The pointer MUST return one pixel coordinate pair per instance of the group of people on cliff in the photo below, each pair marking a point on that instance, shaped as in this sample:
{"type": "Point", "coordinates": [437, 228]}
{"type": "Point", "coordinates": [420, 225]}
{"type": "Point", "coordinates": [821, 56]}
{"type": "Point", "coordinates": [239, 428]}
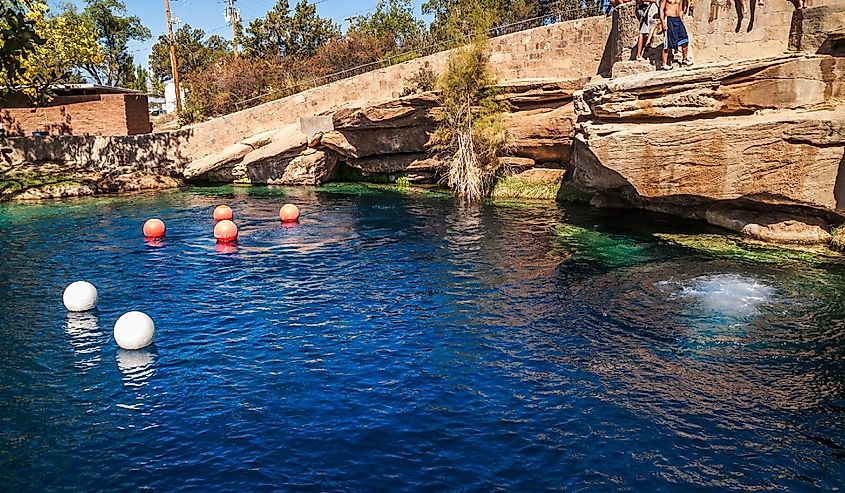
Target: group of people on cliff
{"type": "Point", "coordinates": [662, 17]}
{"type": "Point", "coordinates": [669, 18]}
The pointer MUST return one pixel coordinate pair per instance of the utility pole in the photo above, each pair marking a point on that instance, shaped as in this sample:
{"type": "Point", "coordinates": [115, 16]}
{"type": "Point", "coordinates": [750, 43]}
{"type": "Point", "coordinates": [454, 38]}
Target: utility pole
{"type": "Point", "coordinates": [234, 19]}
{"type": "Point", "coordinates": [173, 64]}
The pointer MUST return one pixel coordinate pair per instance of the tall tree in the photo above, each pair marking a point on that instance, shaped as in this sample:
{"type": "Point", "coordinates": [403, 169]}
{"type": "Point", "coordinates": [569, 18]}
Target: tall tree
{"type": "Point", "coordinates": [142, 76]}
{"type": "Point", "coordinates": [393, 20]}
{"type": "Point", "coordinates": [193, 53]}
{"type": "Point", "coordinates": [114, 31]}
{"type": "Point", "coordinates": [68, 42]}
{"type": "Point", "coordinates": [282, 33]}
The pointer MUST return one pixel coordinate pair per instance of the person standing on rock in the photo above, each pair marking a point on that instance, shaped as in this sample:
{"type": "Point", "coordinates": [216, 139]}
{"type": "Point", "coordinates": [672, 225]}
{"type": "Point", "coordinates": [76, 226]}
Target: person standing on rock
{"type": "Point", "coordinates": [671, 18]}
{"type": "Point", "coordinates": [648, 17]}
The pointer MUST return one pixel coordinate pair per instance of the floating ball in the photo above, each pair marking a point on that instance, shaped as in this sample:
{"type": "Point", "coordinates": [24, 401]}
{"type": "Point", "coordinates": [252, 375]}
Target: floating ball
{"type": "Point", "coordinates": [80, 296]}
{"type": "Point", "coordinates": [289, 213]}
{"type": "Point", "coordinates": [154, 228]}
{"type": "Point", "coordinates": [223, 213]}
{"type": "Point", "coordinates": [226, 231]}
{"type": "Point", "coordinates": [134, 330]}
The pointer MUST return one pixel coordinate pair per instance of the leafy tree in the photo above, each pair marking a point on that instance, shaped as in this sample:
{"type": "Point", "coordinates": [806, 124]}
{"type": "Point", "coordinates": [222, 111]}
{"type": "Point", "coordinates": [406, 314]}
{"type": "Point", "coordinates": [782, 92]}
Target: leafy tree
{"type": "Point", "coordinates": [18, 39]}
{"type": "Point", "coordinates": [68, 42]}
{"type": "Point", "coordinates": [392, 19]}
{"type": "Point", "coordinates": [192, 53]}
{"type": "Point", "coordinates": [114, 31]}
{"type": "Point", "coordinates": [298, 34]}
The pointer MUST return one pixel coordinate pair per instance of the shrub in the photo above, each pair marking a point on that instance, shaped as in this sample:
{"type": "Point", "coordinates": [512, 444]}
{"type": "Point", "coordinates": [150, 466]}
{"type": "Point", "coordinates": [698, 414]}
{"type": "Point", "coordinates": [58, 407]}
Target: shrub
{"type": "Point", "coordinates": [423, 80]}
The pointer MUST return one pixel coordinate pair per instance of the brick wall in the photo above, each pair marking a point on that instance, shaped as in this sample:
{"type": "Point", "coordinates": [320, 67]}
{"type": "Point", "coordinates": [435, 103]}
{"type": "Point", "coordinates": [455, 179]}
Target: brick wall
{"type": "Point", "coordinates": [100, 114]}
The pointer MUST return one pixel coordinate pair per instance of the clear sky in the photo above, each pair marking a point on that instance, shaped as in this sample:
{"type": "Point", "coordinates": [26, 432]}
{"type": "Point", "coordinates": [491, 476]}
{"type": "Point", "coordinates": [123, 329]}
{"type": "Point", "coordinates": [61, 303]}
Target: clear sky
{"type": "Point", "coordinates": [208, 15]}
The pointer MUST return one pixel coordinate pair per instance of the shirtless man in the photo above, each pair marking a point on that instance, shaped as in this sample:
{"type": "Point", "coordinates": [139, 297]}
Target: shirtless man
{"type": "Point", "coordinates": [671, 14]}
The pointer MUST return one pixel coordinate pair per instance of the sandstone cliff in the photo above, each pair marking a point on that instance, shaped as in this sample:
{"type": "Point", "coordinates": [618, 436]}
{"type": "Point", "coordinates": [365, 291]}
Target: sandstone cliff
{"type": "Point", "coordinates": [756, 145]}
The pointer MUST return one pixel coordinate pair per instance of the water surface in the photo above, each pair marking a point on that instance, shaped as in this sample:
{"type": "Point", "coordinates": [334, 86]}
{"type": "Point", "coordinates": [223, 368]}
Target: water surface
{"type": "Point", "coordinates": [400, 342]}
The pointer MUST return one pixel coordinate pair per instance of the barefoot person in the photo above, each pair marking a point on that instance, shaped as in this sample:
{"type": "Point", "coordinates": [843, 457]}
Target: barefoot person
{"type": "Point", "coordinates": [648, 17]}
{"type": "Point", "coordinates": [671, 15]}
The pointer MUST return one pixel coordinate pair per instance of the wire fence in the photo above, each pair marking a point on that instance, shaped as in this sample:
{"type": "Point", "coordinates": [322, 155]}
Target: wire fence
{"type": "Point", "coordinates": [424, 49]}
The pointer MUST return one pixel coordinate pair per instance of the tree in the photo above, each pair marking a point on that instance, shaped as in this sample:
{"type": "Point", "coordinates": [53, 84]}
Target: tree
{"type": "Point", "coordinates": [281, 34]}
{"type": "Point", "coordinates": [392, 19]}
{"type": "Point", "coordinates": [68, 42]}
{"type": "Point", "coordinates": [192, 52]}
{"type": "Point", "coordinates": [18, 40]}
{"type": "Point", "coordinates": [141, 78]}
{"type": "Point", "coordinates": [452, 17]}
{"type": "Point", "coordinates": [471, 134]}
{"type": "Point", "coordinates": [114, 31]}
{"type": "Point", "coordinates": [351, 51]}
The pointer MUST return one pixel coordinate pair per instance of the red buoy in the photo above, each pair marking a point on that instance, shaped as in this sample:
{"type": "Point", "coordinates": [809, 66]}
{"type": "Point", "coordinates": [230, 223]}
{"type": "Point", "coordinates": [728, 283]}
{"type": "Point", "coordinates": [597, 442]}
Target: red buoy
{"type": "Point", "coordinates": [226, 231]}
{"type": "Point", "coordinates": [154, 228]}
{"type": "Point", "coordinates": [289, 213]}
{"type": "Point", "coordinates": [223, 213]}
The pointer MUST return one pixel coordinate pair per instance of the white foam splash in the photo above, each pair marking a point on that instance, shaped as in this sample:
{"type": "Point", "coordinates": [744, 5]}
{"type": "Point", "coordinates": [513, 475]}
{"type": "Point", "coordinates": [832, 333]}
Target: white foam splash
{"type": "Point", "coordinates": [728, 294]}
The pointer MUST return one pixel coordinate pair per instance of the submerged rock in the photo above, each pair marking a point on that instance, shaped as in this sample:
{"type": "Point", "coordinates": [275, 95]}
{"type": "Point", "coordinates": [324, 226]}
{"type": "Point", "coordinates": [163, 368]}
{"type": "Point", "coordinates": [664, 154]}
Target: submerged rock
{"type": "Point", "coordinates": [772, 226]}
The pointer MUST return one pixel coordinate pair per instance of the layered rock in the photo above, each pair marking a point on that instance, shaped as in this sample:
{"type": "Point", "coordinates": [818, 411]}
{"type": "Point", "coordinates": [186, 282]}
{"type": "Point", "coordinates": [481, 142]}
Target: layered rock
{"type": "Point", "coordinates": [392, 138]}
{"type": "Point", "coordinates": [765, 131]}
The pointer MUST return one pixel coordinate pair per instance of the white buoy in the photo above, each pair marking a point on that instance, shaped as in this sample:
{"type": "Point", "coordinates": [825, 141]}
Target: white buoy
{"type": "Point", "coordinates": [134, 330]}
{"type": "Point", "coordinates": [80, 296]}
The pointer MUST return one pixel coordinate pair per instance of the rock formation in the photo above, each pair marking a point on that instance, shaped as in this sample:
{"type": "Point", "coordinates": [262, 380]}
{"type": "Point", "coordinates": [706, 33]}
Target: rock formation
{"type": "Point", "coordinates": [756, 146]}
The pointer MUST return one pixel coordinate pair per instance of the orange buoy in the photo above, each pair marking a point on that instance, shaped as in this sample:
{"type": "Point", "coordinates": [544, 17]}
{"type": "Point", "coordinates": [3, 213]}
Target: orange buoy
{"type": "Point", "coordinates": [223, 213]}
{"type": "Point", "coordinates": [226, 231]}
{"type": "Point", "coordinates": [289, 213]}
{"type": "Point", "coordinates": [154, 228]}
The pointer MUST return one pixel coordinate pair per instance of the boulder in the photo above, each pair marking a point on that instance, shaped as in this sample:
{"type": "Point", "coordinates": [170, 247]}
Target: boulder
{"type": "Point", "coordinates": [285, 142]}
{"type": "Point", "coordinates": [771, 226]}
{"type": "Point", "coordinates": [396, 163]}
{"type": "Point", "coordinates": [312, 167]}
{"type": "Point", "coordinates": [410, 111]}
{"type": "Point", "coordinates": [544, 134]}
{"type": "Point", "coordinates": [85, 184]}
{"type": "Point", "coordinates": [365, 142]}
{"type": "Point", "coordinates": [819, 29]}
{"type": "Point", "coordinates": [788, 157]}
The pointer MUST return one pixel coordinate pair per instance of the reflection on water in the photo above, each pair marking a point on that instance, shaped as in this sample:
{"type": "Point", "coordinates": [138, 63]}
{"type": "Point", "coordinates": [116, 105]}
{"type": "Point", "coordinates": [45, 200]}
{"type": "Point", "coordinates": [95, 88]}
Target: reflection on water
{"type": "Point", "coordinates": [226, 248]}
{"type": "Point", "coordinates": [85, 338]}
{"type": "Point", "coordinates": [137, 366]}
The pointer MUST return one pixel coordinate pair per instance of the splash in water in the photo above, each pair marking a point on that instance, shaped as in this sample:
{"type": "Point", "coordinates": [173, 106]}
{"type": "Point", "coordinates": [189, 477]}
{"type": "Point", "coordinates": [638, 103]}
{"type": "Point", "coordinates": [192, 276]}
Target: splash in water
{"type": "Point", "coordinates": [728, 294]}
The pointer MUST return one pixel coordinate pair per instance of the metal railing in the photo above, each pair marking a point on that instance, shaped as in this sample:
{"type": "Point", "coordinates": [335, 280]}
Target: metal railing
{"type": "Point", "coordinates": [425, 49]}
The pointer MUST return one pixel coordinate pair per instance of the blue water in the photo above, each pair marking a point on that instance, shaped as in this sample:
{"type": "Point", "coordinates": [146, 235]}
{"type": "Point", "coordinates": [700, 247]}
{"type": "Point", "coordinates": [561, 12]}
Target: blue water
{"type": "Point", "coordinates": [394, 342]}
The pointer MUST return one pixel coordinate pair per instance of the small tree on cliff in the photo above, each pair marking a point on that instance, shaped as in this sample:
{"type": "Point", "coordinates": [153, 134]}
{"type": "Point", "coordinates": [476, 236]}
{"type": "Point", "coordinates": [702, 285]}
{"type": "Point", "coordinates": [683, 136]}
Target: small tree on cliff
{"type": "Point", "coordinates": [471, 134]}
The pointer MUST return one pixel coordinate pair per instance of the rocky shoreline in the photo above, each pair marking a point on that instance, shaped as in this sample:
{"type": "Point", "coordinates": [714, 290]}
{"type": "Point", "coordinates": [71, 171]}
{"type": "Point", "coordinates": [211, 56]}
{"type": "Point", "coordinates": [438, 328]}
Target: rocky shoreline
{"type": "Point", "coordinates": [753, 145]}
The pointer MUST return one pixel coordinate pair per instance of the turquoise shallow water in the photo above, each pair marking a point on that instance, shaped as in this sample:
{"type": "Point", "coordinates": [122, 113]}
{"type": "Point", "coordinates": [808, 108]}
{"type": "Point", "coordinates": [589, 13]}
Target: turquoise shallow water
{"type": "Point", "coordinates": [396, 342]}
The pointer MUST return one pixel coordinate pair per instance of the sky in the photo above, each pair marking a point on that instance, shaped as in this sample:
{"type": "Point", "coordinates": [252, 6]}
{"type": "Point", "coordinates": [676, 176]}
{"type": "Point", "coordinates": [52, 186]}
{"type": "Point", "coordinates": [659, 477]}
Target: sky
{"type": "Point", "coordinates": [208, 15]}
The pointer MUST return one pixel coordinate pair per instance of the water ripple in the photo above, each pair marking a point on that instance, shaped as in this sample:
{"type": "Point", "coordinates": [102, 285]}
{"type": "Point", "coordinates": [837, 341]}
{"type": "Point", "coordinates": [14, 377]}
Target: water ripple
{"type": "Point", "coordinates": [392, 342]}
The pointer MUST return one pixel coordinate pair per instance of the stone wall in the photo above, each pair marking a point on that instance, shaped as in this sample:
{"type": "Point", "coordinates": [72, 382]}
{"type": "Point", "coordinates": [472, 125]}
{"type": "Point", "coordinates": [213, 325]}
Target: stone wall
{"type": "Point", "coordinates": [719, 31]}
{"type": "Point", "coordinates": [98, 114]}
{"type": "Point", "coordinates": [567, 50]}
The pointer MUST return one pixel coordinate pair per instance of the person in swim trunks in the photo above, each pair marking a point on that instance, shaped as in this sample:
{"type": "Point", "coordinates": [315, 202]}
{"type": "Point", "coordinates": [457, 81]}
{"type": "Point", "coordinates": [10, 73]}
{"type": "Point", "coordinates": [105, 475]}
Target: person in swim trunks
{"type": "Point", "coordinates": [671, 18]}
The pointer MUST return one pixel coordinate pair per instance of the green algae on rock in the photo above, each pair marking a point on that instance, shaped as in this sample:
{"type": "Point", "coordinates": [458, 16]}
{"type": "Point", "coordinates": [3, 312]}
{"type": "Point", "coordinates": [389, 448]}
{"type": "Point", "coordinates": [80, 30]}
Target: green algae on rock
{"type": "Point", "coordinates": [737, 248]}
